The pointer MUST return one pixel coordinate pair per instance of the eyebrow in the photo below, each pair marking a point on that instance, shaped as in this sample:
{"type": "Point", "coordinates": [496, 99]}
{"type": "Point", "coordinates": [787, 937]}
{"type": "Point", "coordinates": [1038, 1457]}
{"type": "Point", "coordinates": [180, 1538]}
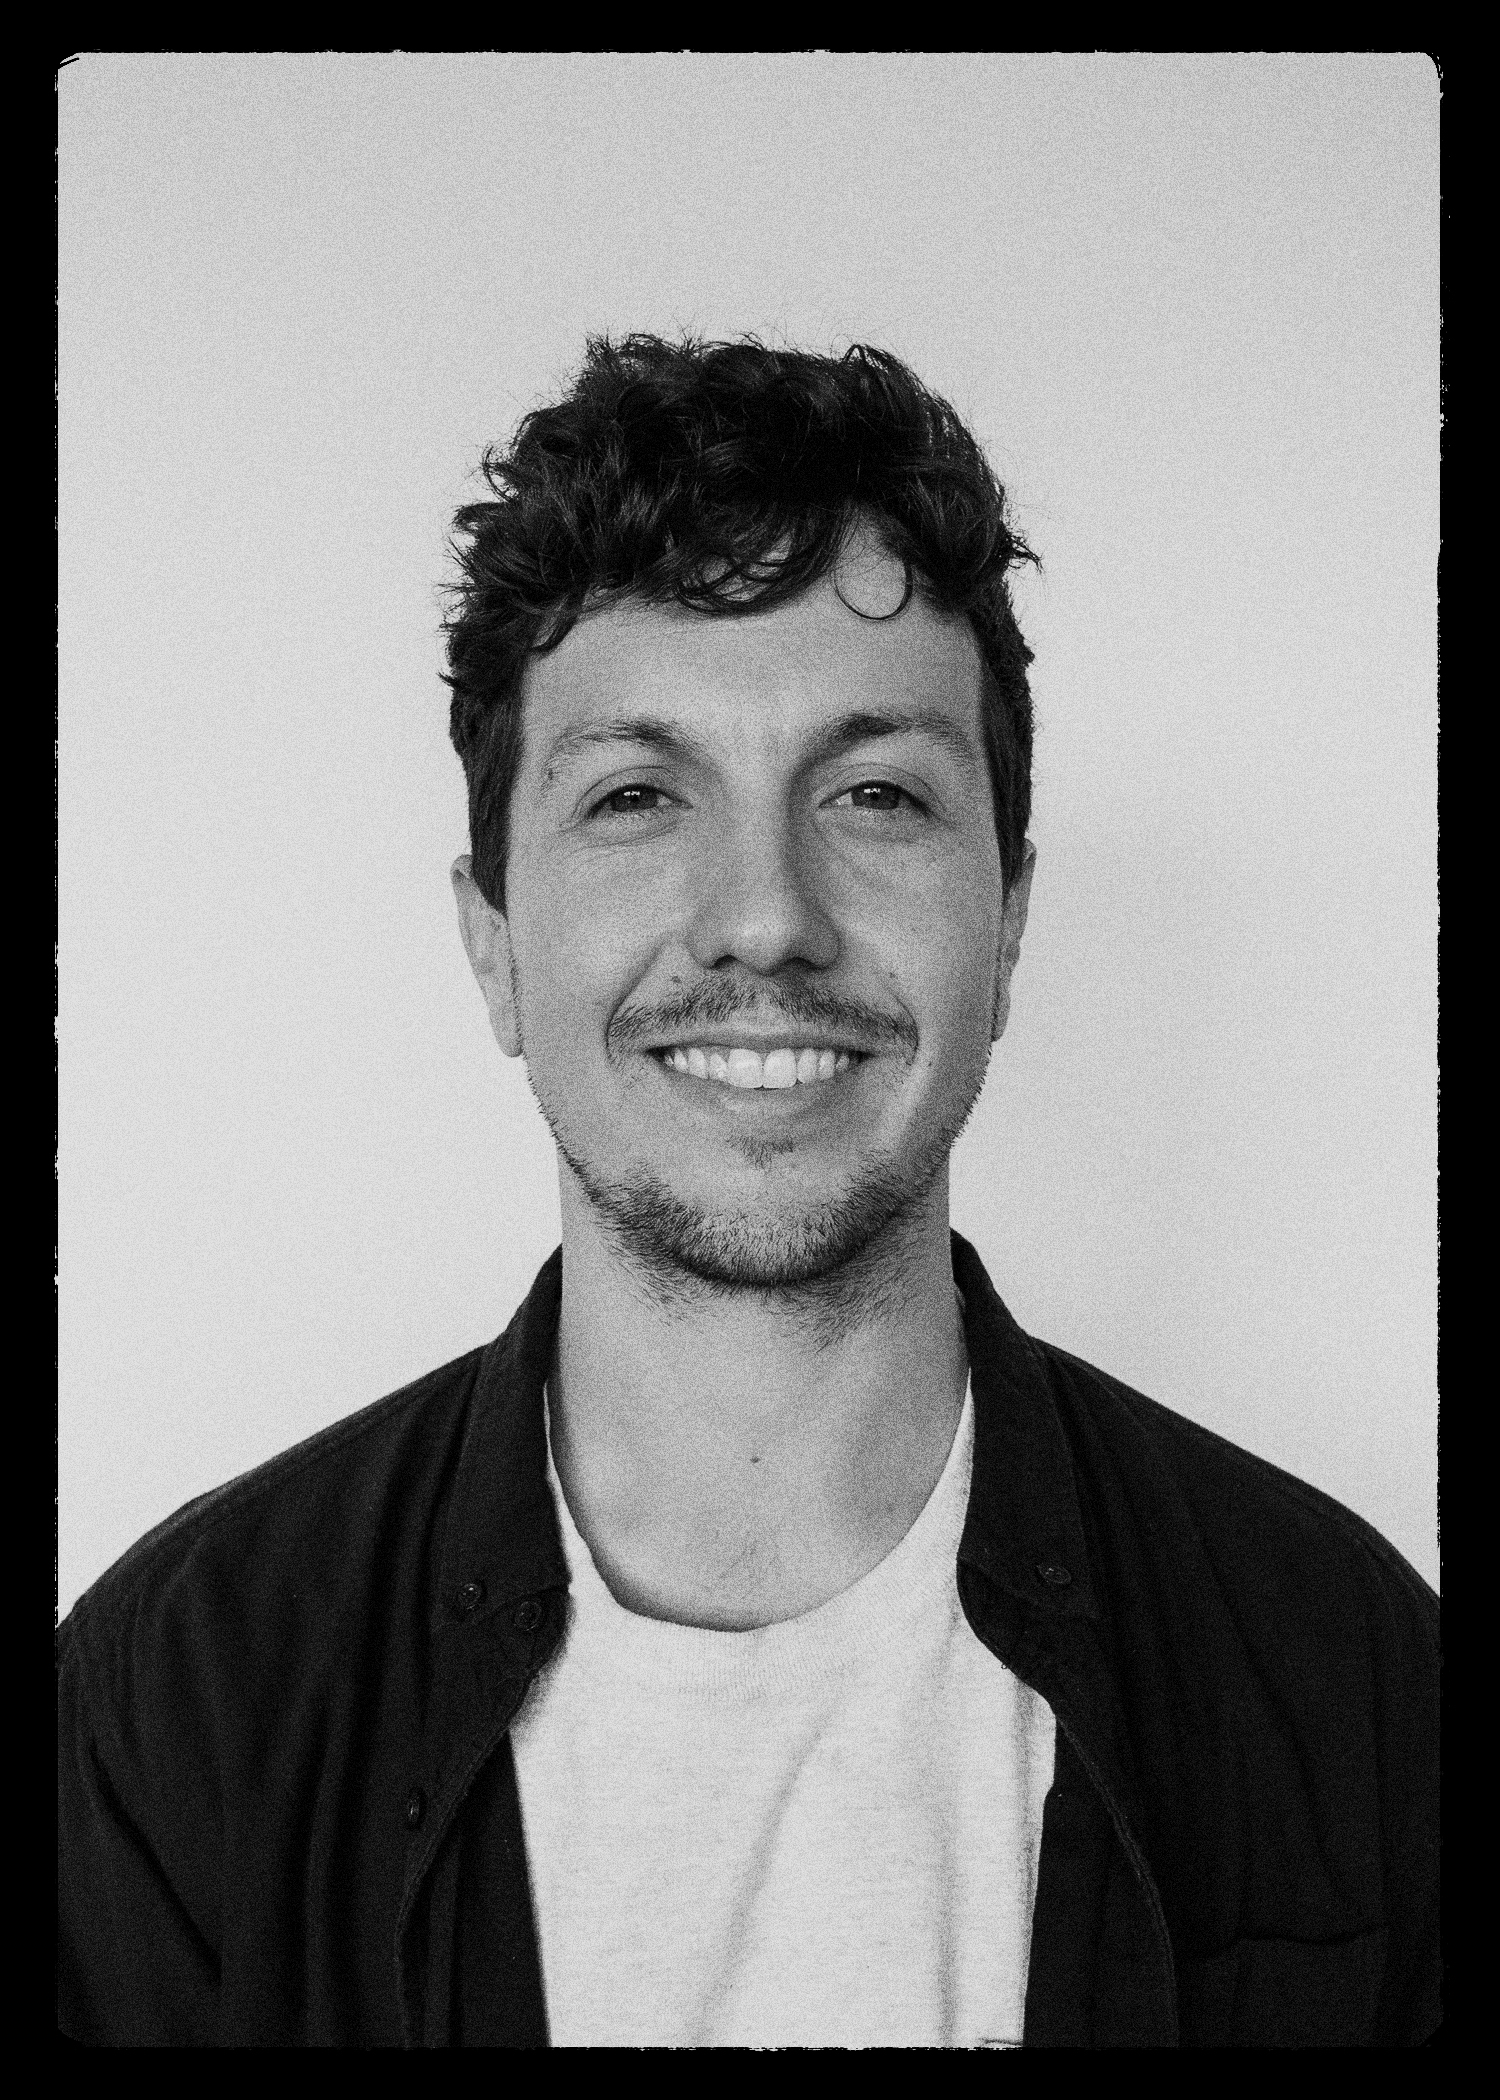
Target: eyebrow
{"type": "Point", "coordinates": [868, 726]}
{"type": "Point", "coordinates": [657, 735]}
{"type": "Point", "coordinates": [844, 733]}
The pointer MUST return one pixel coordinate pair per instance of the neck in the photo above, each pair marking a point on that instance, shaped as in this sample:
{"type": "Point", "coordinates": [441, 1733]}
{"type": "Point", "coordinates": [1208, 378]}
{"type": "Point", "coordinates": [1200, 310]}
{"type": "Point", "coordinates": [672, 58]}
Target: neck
{"type": "Point", "coordinates": [733, 1459]}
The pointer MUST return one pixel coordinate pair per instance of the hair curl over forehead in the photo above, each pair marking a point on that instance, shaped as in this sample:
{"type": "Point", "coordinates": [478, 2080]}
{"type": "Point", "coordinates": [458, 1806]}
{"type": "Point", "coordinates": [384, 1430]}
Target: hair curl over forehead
{"type": "Point", "coordinates": [723, 478]}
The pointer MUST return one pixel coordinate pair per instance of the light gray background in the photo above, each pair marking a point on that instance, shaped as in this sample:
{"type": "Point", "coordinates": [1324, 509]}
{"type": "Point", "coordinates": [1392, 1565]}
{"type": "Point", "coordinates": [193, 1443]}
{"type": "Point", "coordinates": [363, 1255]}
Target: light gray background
{"type": "Point", "coordinates": [1189, 305]}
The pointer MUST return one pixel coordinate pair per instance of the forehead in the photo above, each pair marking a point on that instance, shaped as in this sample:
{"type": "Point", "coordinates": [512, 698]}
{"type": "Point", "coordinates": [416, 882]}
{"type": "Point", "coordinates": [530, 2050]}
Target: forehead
{"type": "Point", "coordinates": [781, 672]}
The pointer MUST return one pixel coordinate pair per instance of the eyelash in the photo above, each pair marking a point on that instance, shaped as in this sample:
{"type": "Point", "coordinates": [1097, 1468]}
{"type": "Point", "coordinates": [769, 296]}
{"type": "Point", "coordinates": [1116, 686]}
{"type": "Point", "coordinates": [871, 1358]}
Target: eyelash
{"type": "Point", "coordinates": [883, 787]}
{"type": "Point", "coordinates": [601, 808]}
{"type": "Point", "coordinates": [632, 787]}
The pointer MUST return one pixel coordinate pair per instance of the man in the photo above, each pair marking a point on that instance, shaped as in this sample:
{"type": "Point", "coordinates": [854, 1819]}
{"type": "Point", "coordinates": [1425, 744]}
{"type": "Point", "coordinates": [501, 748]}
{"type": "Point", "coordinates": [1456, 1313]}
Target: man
{"type": "Point", "coordinates": [763, 1642]}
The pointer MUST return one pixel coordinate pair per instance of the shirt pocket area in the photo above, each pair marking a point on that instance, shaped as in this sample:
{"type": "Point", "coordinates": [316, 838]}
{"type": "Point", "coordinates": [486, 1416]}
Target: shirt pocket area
{"type": "Point", "coordinates": [1283, 1994]}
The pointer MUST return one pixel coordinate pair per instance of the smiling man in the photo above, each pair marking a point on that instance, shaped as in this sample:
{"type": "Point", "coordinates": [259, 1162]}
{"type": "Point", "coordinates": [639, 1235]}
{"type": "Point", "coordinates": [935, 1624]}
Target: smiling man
{"type": "Point", "coordinates": [763, 1642]}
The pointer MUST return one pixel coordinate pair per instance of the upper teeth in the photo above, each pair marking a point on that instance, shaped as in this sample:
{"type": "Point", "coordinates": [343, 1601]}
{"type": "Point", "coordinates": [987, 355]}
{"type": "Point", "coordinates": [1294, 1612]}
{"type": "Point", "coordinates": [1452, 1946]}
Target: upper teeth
{"type": "Point", "coordinates": [747, 1068]}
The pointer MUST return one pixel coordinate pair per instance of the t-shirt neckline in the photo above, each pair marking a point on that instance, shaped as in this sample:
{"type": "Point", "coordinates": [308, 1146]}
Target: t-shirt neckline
{"type": "Point", "coordinates": [916, 1577]}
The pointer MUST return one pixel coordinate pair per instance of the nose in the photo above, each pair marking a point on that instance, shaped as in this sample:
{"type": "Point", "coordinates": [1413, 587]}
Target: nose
{"type": "Point", "coordinates": [758, 904]}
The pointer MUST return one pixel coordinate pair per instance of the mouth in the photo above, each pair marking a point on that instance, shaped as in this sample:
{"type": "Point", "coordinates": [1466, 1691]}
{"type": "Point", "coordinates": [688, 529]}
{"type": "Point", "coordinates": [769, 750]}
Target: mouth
{"type": "Point", "coordinates": [776, 1068]}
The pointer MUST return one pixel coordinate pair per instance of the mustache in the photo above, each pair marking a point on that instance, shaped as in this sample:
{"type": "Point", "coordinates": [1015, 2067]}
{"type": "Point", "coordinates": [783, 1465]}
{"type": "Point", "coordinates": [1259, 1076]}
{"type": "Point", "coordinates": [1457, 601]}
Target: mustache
{"type": "Point", "coordinates": [806, 1006]}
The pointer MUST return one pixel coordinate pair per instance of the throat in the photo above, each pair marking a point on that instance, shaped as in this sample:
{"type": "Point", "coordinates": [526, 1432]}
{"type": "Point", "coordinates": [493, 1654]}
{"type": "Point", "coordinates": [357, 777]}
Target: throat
{"type": "Point", "coordinates": [731, 1507]}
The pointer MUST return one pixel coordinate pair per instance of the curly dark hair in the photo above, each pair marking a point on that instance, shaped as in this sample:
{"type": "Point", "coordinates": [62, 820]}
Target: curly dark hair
{"type": "Point", "coordinates": [723, 477]}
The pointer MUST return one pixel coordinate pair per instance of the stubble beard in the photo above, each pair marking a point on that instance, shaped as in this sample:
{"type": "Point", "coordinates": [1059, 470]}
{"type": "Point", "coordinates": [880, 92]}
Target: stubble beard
{"type": "Point", "coordinates": [832, 1262]}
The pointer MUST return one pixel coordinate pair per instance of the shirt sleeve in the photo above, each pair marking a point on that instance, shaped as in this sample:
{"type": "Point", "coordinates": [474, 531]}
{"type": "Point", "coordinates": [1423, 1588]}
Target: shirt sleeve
{"type": "Point", "coordinates": [134, 1969]}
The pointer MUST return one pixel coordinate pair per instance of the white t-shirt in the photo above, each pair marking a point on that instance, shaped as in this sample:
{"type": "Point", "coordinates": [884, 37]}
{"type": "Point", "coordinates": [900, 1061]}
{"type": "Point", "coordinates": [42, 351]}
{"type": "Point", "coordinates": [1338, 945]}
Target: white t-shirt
{"type": "Point", "coordinates": [823, 1833]}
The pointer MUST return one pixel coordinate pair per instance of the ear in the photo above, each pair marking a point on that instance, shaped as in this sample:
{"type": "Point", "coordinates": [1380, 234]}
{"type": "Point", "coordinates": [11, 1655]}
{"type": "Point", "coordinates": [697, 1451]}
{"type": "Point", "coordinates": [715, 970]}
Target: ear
{"type": "Point", "coordinates": [1012, 926]}
{"type": "Point", "coordinates": [486, 937]}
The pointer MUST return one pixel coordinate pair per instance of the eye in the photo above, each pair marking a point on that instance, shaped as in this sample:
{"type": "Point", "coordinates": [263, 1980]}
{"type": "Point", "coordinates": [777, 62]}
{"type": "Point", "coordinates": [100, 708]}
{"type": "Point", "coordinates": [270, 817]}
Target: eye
{"type": "Point", "coordinates": [881, 796]}
{"type": "Point", "coordinates": [636, 799]}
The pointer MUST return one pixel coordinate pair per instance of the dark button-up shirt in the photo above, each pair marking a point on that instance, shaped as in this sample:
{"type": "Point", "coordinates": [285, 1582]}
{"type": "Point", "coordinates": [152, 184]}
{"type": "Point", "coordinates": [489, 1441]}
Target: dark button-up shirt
{"type": "Point", "coordinates": [288, 1807]}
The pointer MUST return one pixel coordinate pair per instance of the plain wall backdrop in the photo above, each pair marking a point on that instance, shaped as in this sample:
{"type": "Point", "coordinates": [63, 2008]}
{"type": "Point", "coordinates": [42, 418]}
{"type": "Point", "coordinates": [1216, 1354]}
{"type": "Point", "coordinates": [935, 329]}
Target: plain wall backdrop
{"type": "Point", "coordinates": [1189, 305]}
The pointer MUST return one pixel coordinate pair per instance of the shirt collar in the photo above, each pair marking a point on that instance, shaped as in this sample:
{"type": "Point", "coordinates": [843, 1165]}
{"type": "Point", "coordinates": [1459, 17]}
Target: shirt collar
{"type": "Point", "coordinates": [502, 1542]}
{"type": "Point", "coordinates": [1023, 1529]}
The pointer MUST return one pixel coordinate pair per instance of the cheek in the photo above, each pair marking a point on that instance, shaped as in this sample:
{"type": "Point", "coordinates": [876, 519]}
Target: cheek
{"type": "Point", "coordinates": [579, 952]}
{"type": "Point", "coordinates": [939, 963]}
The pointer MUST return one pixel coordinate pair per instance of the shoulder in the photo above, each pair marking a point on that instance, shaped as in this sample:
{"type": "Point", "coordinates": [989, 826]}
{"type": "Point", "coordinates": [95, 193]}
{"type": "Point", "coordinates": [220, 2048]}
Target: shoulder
{"type": "Point", "coordinates": [221, 1688]}
{"type": "Point", "coordinates": [1287, 1613]}
{"type": "Point", "coordinates": [1279, 1666]}
{"type": "Point", "coordinates": [1174, 1459]}
{"type": "Point", "coordinates": [293, 1538]}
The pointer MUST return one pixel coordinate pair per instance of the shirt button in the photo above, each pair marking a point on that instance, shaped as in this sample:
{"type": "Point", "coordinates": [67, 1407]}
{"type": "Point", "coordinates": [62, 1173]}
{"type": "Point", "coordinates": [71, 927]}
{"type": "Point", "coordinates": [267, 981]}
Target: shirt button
{"type": "Point", "coordinates": [1054, 1572]}
{"type": "Point", "coordinates": [469, 1599]}
{"type": "Point", "coordinates": [416, 1808]}
{"type": "Point", "coordinates": [528, 1616]}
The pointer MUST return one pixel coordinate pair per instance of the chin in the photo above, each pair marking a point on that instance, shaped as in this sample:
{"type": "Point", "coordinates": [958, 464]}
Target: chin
{"type": "Point", "coordinates": [804, 1244]}
{"type": "Point", "coordinates": [786, 1249]}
